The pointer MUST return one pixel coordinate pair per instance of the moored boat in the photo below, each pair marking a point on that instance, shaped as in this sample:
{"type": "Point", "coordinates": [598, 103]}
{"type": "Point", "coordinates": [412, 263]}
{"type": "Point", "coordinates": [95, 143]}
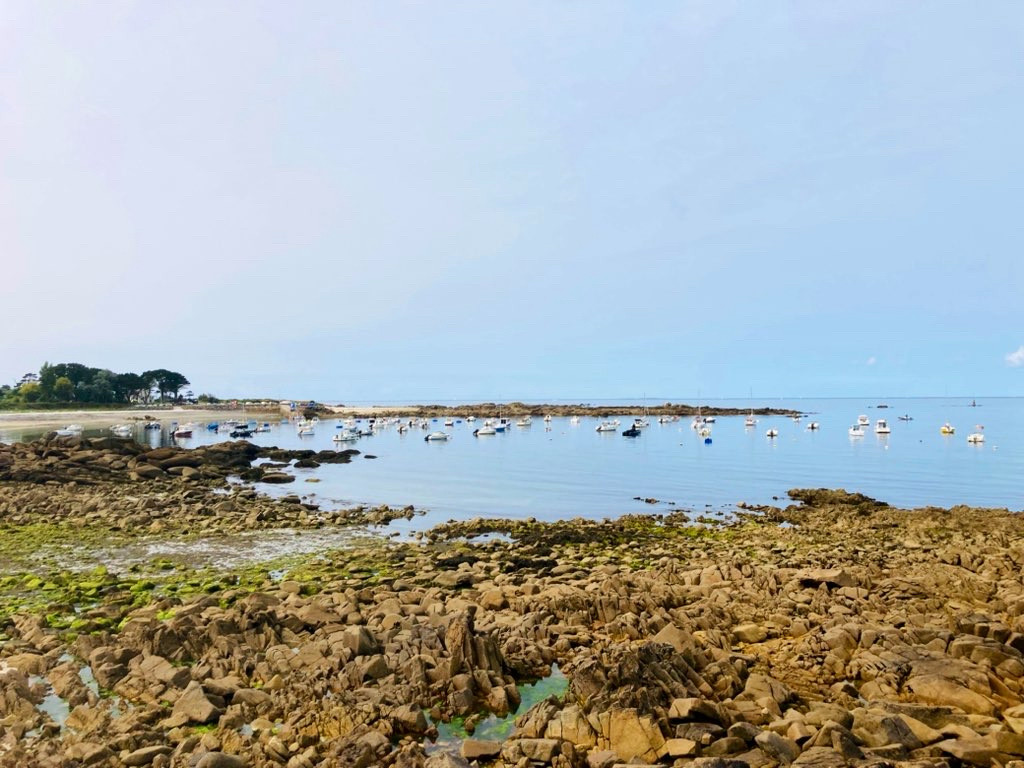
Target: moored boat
{"type": "Point", "coordinates": [606, 426]}
{"type": "Point", "coordinates": [882, 427]}
{"type": "Point", "coordinates": [772, 433]}
{"type": "Point", "coordinates": [947, 429]}
{"type": "Point", "coordinates": [856, 431]}
{"type": "Point", "coordinates": [437, 436]}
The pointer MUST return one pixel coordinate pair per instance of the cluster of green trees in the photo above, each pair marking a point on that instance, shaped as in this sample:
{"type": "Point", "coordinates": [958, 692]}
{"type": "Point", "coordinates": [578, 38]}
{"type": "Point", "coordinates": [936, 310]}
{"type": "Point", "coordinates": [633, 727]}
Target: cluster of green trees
{"type": "Point", "coordinates": [77, 383]}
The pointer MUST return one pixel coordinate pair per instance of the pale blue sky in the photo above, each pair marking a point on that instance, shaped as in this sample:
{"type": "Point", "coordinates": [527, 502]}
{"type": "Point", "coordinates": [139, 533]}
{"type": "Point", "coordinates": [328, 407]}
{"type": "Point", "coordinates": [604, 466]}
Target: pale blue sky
{"type": "Point", "coordinates": [448, 200]}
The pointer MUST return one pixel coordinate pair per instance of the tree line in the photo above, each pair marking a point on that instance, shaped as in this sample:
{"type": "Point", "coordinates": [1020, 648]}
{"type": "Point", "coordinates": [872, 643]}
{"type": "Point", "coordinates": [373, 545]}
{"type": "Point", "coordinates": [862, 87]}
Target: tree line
{"type": "Point", "coordinates": [77, 383]}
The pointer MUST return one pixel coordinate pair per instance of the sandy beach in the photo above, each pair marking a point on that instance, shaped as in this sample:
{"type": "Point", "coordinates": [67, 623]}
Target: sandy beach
{"type": "Point", "coordinates": [23, 419]}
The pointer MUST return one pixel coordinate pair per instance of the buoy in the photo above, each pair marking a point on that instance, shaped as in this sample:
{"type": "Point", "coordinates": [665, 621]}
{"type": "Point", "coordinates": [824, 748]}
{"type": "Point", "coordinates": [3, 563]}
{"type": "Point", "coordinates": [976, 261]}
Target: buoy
{"type": "Point", "coordinates": [707, 441]}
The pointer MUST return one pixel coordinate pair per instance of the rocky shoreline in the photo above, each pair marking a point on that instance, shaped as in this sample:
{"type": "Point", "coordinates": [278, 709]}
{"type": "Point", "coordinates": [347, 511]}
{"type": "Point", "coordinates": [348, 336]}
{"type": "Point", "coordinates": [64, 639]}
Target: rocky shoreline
{"type": "Point", "coordinates": [517, 410]}
{"type": "Point", "coordinates": [835, 631]}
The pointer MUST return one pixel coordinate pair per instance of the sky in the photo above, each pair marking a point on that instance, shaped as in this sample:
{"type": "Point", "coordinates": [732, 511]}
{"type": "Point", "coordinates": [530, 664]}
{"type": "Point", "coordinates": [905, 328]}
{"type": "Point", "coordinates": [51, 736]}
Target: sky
{"type": "Point", "coordinates": [426, 201]}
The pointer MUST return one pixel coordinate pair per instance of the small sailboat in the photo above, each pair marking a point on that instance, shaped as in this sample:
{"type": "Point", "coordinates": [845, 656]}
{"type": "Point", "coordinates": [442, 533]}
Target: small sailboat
{"type": "Point", "coordinates": [882, 427]}
{"type": "Point", "coordinates": [574, 420]}
{"type": "Point", "coordinates": [607, 426]}
{"type": "Point", "coordinates": [547, 418]}
{"type": "Point", "coordinates": [526, 421]}
{"type": "Point", "coordinates": [857, 430]}
{"type": "Point", "coordinates": [449, 422]}
{"type": "Point", "coordinates": [485, 430]}
{"type": "Point", "coordinates": [813, 426]}
{"type": "Point", "coordinates": [772, 433]}
{"type": "Point", "coordinates": [437, 436]}
{"type": "Point", "coordinates": [641, 422]}
{"type": "Point", "coordinates": [863, 420]}
{"type": "Point", "coordinates": [947, 429]}
{"type": "Point", "coordinates": [976, 438]}
{"type": "Point", "coordinates": [905, 417]}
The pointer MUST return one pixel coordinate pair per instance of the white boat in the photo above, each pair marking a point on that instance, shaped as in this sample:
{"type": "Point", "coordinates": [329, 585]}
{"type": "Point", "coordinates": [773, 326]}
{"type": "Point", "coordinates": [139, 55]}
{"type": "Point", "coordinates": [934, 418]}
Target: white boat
{"type": "Point", "coordinates": [524, 422]}
{"type": "Point", "coordinates": [547, 417]}
{"type": "Point", "coordinates": [856, 431]}
{"type": "Point", "coordinates": [71, 430]}
{"type": "Point", "coordinates": [977, 437]}
{"type": "Point", "coordinates": [345, 436]}
{"type": "Point", "coordinates": [882, 427]}
{"type": "Point", "coordinates": [641, 423]}
{"type": "Point", "coordinates": [470, 419]}
{"type": "Point", "coordinates": [772, 432]}
{"type": "Point", "coordinates": [574, 420]}
{"type": "Point", "coordinates": [813, 426]}
{"type": "Point", "coordinates": [183, 431]}
{"type": "Point", "coordinates": [704, 431]}
{"type": "Point", "coordinates": [665, 419]}
{"type": "Point", "coordinates": [305, 429]}
{"type": "Point", "coordinates": [485, 430]}
{"type": "Point", "coordinates": [863, 420]}
{"type": "Point", "coordinates": [750, 421]}
{"type": "Point", "coordinates": [437, 436]}
{"type": "Point", "coordinates": [607, 426]}
{"type": "Point", "coordinates": [947, 429]}
{"type": "Point", "coordinates": [449, 422]}
{"type": "Point", "coordinates": [402, 429]}
{"type": "Point", "coordinates": [122, 430]}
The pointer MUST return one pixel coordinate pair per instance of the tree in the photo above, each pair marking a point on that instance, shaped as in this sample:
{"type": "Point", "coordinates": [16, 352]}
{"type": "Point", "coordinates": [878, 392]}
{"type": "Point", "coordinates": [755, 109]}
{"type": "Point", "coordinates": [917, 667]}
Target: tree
{"type": "Point", "coordinates": [63, 389]}
{"type": "Point", "coordinates": [30, 391]}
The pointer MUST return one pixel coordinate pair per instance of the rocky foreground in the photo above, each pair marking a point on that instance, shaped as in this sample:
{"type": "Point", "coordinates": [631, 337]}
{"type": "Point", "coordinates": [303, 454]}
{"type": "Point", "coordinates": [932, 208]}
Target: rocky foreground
{"type": "Point", "coordinates": [837, 631]}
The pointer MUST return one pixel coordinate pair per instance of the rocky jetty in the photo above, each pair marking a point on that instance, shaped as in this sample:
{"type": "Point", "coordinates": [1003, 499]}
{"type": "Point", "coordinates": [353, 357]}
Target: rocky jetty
{"type": "Point", "coordinates": [516, 409]}
{"type": "Point", "coordinates": [834, 632]}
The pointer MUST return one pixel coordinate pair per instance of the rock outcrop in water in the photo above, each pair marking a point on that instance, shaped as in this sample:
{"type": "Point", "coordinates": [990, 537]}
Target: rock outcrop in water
{"type": "Point", "coordinates": [854, 634]}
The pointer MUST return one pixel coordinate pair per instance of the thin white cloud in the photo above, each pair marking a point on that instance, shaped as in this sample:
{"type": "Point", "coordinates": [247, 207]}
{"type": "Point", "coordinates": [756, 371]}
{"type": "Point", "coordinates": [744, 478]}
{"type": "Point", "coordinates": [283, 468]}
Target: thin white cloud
{"type": "Point", "coordinates": [872, 361]}
{"type": "Point", "coordinates": [1016, 359]}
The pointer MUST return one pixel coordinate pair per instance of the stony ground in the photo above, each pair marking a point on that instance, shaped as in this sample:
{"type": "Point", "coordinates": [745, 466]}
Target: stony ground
{"type": "Point", "coordinates": [836, 631]}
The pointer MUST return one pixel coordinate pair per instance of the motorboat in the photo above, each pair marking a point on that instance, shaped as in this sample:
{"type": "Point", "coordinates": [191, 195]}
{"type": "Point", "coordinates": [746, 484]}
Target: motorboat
{"type": "Point", "coordinates": [863, 420]}
{"type": "Point", "coordinates": [709, 419]}
{"type": "Point", "coordinates": [947, 429]}
{"type": "Point", "coordinates": [813, 426]}
{"type": "Point", "coordinates": [633, 431]}
{"type": "Point", "coordinates": [241, 432]}
{"type": "Point", "coordinates": [484, 431]}
{"type": "Point", "coordinates": [704, 431]}
{"type": "Point", "coordinates": [607, 426]}
{"type": "Point", "coordinates": [905, 417]}
{"type": "Point", "coordinates": [305, 430]}
{"type": "Point", "coordinates": [665, 419]}
{"type": "Point", "coordinates": [772, 433]}
{"type": "Point", "coordinates": [641, 423]}
{"type": "Point", "coordinates": [856, 431]}
{"type": "Point", "coordinates": [524, 422]}
{"type": "Point", "coordinates": [213, 426]}
{"type": "Point", "coordinates": [71, 430]}
{"type": "Point", "coordinates": [346, 436]}
{"type": "Point", "coordinates": [449, 422]}
{"type": "Point", "coordinates": [182, 431]}
{"type": "Point", "coordinates": [264, 427]}
{"type": "Point", "coordinates": [882, 427]}
{"type": "Point", "coordinates": [976, 437]}
{"type": "Point", "coordinates": [437, 436]}
{"type": "Point", "coordinates": [122, 430]}
{"type": "Point", "coordinates": [470, 419]}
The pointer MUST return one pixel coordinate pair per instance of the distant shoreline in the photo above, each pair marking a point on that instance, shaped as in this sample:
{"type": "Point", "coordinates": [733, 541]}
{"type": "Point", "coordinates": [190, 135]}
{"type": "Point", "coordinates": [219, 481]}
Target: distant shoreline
{"type": "Point", "coordinates": [515, 409]}
{"type": "Point", "coordinates": [100, 416]}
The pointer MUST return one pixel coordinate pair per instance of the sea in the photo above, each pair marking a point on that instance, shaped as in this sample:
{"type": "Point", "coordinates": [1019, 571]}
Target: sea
{"type": "Point", "coordinates": [561, 470]}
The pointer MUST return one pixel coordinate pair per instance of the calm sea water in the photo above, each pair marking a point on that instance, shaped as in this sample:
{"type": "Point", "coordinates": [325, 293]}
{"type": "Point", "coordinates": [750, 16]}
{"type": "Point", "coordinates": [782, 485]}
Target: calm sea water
{"type": "Point", "coordinates": [571, 470]}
